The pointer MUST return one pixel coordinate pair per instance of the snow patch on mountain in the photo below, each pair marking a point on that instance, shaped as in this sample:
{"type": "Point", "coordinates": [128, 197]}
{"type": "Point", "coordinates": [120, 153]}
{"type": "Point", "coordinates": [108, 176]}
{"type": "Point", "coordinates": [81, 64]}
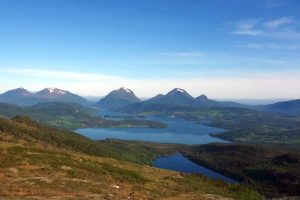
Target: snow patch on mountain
{"type": "Point", "coordinates": [126, 90]}
{"type": "Point", "coordinates": [180, 90]}
{"type": "Point", "coordinates": [50, 90]}
{"type": "Point", "coordinates": [56, 91]}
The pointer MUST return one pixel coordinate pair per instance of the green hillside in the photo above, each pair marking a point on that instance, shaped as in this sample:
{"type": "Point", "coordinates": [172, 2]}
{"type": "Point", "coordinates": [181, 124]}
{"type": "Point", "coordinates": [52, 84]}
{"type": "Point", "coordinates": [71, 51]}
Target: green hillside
{"type": "Point", "coordinates": [70, 116]}
{"type": "Point", "coordinates": [39, 162]}
{"type": "Point", "coordinates": [274, 172]}
{"type": "Point", "coordinates": [26, 131]}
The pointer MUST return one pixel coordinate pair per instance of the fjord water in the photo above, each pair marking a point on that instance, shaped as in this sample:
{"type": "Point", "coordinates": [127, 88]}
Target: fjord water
{"type": "Point", "coordinates": [180, 163]}
{"type": "Point", "coordinates": [178, 131]}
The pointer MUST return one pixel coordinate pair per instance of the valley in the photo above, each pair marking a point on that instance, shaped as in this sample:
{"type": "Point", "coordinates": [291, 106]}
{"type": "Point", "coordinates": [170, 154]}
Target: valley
{"type": "Point", "coordinates": [151, 133]}
{"type": "Point", "coordinates": [149, 100]}
{"type": "Point", "coordinates": [44, 163]}
{"type": "Point", "coordinates": [242, 124]}
{"type": "Point", "coordinates": [176, 131]}
{"type": "Point", "coordinates": [71, 116]}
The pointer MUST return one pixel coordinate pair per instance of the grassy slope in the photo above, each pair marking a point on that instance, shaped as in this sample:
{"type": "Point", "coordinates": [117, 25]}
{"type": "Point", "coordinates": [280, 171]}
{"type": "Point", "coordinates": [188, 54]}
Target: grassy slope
{"type": "Point", "coordinates": [35, 173]}
{"type": "Point", "coordinates": [273, 172]}
{"type": "Point", "coordinates": [38, 162]}
{"type": "Point", "coordinates": [24, 130]}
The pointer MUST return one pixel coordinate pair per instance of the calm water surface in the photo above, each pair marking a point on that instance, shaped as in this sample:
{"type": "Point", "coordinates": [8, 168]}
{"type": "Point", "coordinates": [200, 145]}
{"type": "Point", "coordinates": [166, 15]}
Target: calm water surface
{"type": "Point", "coordinates": [178, 131]}
{"type": "Point", "coordinates": [180, 163]}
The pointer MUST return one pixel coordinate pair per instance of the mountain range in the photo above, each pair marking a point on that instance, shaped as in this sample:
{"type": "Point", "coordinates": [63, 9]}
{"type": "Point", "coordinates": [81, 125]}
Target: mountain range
{"type": "Point", "coordinates": [180, 98]}
{"type": "Point", "coordinates": [23, 97]}
{"type": "Point", "coordinates": [126, 99]}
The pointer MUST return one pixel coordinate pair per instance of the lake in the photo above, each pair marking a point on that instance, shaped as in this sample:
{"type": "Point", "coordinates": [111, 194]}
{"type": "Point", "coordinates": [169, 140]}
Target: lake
{"type": "Point", "coordinates": [180, 163]}
{"type": "Point", "coordinates": [178, 131]}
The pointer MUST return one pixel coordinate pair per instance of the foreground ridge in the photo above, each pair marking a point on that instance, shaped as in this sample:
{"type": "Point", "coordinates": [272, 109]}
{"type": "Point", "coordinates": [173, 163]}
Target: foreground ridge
{"type": "Point", "coordinates": [33, 166]}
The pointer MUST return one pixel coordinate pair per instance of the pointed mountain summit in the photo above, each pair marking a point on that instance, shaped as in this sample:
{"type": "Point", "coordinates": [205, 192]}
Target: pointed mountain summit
{"type": "Point", "coordinates": [55, 94]}
{"type": "Point", "coordinates": [16, 93]}
{"type": "Point", "coordinates": [118, 98]}
{"type": "Point", "coordinates": [19, 96]}
{"type": "Point", "coordinates": [47, 92]}
{"type": "Point", "coordinates": [202, 97]}
{"type": "Point", "coordinates": [176, 96]}
{"type": "Point", "coordinates": [177, 91]}
{"type": "Point", "coordinates": [204, 101]}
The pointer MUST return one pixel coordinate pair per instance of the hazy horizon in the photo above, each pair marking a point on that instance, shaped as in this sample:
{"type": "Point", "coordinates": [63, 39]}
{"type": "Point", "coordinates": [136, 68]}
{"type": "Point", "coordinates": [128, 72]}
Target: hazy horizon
{"type": "Point", "coordinates": [248, 101]}
{"type": "Point", "coordinates": [223, 49]}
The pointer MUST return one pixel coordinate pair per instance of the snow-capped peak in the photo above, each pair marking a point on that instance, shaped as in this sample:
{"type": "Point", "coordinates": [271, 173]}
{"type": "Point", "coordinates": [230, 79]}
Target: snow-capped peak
{"type": "Point", "coordinates": [55, 91]}
{"type": "Point", "coordinates": [180, 90]}
{"type": "Point", "coordinates": [126, 90]}
{"type": "Point", "coordinates": [50, 90]}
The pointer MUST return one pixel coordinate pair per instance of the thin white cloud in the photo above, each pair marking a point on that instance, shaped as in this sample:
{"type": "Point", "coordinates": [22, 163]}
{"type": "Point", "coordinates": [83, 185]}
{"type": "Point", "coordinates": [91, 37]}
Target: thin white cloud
{"type": "Point", "coordinates": [247, 28]}
{"type": "Point", "coordinates": [182, 54]}
{"type": "Point", "coordinates": [61, 74]}
{"type": "Point", "coordinates": [266, 85]}
{"type": "Point", "coordinates": [248, 32]}
{"type": "Point", "coordinates": [282, 28]}
{"type": "Point", "coordinates": [287, 34]}
{"type": "Point", "coordinates": [271, 46]}
{"type": "Point", "coordinates": [279, 22]}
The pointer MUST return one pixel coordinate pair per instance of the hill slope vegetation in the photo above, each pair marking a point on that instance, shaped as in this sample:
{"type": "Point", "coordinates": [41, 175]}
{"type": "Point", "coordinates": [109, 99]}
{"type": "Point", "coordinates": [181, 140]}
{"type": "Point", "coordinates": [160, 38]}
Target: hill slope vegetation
{"type": "Point", "coordinates": [70, 116]}
{"type": "Point", "coordinates": [274, 172]}
{"type": "Point", "coordinates": [39, 162]}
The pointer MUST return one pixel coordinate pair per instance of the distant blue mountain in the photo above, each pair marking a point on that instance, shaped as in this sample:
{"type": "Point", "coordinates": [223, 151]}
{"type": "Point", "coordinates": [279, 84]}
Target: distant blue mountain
{"type": "Point", "coordinates": [176, 96]}
{"type": "Point", "coordinates": [291, 107]}
{"type": "Point", "coordinates": [118, 98]}
{"type": "Point", "coordinates": [54, 94]}
{"type": "Point", "coordinates": [126, 98]}
{"type": "Point", "coordinates": [22, 97]}
{"type": "Point", "coordinates": [177, 99]}
{"type": "Point", "coordinates": [19, 96]}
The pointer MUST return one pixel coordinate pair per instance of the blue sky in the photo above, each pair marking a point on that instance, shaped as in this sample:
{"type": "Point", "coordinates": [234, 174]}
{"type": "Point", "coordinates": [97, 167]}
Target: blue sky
{"type": "Point", "coordinates": [223, 48]}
